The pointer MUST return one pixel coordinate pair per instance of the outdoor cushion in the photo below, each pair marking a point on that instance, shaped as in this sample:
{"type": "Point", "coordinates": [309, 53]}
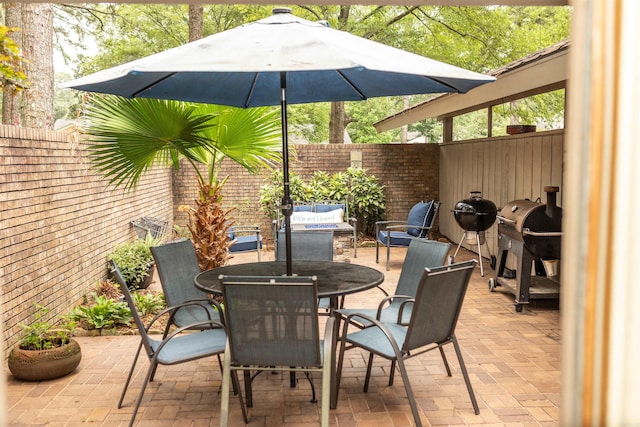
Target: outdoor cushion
{"type": "Point", "coordinates": [398, 238]}
{"type": "Point", "coordinates": [245, 243]}
{"type": "Point", "coordinates": [419, 215]}
{"type": "Point", "coordinates": [332, 217]}
{"type": "Point", "coordinates": [322, 207]}
{"type": "Point", "coordinates": [303, 208]}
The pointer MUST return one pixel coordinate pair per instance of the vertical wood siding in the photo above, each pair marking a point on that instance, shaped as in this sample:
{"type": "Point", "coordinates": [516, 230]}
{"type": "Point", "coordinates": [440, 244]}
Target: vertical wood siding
{"type": "Point", "coordinates": [503, 169]}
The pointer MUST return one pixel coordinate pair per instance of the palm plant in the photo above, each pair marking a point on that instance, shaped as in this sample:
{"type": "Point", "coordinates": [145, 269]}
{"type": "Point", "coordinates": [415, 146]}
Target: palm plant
{"type": "Point", "coordinates": [129, 136]}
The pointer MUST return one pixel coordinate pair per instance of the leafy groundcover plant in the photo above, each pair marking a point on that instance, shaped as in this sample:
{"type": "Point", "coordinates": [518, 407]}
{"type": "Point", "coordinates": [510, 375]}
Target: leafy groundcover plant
{"type": "Point", "coordinates": [42, 335]}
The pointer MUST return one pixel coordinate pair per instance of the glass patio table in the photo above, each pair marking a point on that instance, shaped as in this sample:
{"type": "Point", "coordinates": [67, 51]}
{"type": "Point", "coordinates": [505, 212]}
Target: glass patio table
{"type": "Point", "coordinates": [334, 279]}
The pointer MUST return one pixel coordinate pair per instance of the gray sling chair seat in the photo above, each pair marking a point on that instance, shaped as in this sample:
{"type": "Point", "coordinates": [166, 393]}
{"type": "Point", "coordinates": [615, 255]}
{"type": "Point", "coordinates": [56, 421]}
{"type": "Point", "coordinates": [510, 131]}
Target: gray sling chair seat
{"type": "Point", "coordinates": [177, 265]}
{"type": "Point", "coordinates": [272, 325]}
{"type": "Point", "coordinates": [432, 325]}
{"type": "Point", "coordinates": [420, 255]}
{"type": "Point", "coordinates": [177, 347]}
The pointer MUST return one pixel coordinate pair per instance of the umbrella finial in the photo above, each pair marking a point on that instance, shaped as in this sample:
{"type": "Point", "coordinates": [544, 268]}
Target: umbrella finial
{"type": "Point", "coordinates": [277, 10]}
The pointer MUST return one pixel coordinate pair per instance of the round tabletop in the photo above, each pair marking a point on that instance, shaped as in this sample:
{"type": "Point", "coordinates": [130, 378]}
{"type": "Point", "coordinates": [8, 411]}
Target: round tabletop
{"type": "Point", "coordinates": [334, 278]}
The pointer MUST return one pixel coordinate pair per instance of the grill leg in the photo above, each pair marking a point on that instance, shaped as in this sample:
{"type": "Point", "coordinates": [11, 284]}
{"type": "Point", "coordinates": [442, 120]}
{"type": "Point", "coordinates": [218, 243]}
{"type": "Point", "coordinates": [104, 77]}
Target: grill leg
{"type": "Point", "coordinates": [460, 244]}
{"type": "Point", "coordinates": [479, 253]}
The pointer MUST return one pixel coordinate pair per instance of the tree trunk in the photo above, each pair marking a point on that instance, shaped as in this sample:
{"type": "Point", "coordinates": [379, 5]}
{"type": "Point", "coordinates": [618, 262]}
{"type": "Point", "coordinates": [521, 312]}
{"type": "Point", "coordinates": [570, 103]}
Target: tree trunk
{"type": "Point", "coordinates": [195, 22]}
{"type": "Point", "coordinates": [337, 123]}
{"type": "Point", "coordinates": [10, 96]}
{"type": "Point", "coordinates": [337, 120]}
{"type": "Point", "coordinates": [37, 47]}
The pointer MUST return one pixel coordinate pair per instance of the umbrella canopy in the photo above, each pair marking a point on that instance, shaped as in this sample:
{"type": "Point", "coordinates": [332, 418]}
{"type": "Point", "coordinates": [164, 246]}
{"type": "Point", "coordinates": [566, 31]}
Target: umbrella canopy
{"type": "Point", "coordinates": [321, 64]}
{"type": "Point", "coordinates": [278, 60]}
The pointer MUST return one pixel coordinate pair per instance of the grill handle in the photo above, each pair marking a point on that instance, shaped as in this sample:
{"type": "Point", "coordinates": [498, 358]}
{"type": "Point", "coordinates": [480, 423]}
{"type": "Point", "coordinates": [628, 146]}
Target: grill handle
{"type": "Point", "coordinates": [474, 213]}
{"type": "Point", "coordinates": [528, 232]}
{"type": "Point", "coordinates": [507, 220]}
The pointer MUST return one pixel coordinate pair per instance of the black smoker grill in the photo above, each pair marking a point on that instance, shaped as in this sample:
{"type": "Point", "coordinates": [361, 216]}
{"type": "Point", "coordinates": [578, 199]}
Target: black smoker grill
{"type": "Point", "coordinates": [475, 215]}
{"type": "Point", "coordinates": [532, 232]}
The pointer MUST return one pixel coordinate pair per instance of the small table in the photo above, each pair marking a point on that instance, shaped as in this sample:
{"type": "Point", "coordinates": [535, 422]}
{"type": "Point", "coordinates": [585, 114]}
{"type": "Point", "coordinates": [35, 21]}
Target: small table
{"type": "Point", "coordinates": [335, 279]}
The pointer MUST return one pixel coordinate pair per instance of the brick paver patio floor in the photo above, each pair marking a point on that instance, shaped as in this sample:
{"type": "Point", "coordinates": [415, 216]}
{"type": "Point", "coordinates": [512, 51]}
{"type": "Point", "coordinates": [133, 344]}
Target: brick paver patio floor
{"type": "Point", "coordinates": [513, 361]}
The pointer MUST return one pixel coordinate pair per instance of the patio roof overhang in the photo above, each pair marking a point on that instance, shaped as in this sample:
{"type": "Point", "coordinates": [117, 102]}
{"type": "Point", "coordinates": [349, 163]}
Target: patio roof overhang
{"type": "Point", "coordinates": [540, 72]}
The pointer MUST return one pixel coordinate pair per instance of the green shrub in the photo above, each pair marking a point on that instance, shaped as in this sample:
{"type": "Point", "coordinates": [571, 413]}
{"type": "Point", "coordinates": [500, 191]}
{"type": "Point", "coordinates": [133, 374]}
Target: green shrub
{"type": "Point", "coordinates": [367, 200]}
{"type": "Point", "coordinates": [102, 313]}
{"type": "Point", "coordinates": [148, 303]}
{"type": "Point", "coordinates": [271, 194]}
{"type": "Point", "coordinates": [134, 260]}
{"type": "Point", "coordinates": [366, 197]}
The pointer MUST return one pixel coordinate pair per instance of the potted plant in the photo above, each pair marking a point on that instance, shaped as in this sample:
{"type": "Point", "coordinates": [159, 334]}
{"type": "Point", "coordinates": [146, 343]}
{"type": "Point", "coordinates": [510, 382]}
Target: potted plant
{"type": "Point", "coordinates": [45, 351]}
{"type": "Point", "coordinates": [135, 262]}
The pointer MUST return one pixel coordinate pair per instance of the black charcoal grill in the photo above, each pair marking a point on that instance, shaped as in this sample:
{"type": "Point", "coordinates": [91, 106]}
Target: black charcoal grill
{"type": "Point", "coordinates": [532, 232]}
{"type": "Point", "coordinates": [475, 215]}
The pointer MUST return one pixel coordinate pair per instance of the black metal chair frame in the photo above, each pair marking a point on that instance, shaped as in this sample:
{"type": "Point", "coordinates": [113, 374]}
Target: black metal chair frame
{"type": "Point", "coordinates": [171, 349]}
{"type": "Point", "coordinates": [271, 310]}
{"type": "Point", "coordinates": [434, 316]}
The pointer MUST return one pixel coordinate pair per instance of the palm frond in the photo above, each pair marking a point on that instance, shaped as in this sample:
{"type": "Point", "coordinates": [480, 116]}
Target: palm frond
{"type": "Point", "coordinates": [129, 136]}
{"type": "Point", "coordinates": [250, 137]}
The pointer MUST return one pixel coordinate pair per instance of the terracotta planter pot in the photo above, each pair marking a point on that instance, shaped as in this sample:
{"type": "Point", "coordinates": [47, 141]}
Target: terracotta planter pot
{"type": "Point", "coordinates": [41, 365]}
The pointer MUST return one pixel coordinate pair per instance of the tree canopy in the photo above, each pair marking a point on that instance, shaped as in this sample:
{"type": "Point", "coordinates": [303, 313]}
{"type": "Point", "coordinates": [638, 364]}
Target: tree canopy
{"type": "Point", "coordinates": [476, 38]}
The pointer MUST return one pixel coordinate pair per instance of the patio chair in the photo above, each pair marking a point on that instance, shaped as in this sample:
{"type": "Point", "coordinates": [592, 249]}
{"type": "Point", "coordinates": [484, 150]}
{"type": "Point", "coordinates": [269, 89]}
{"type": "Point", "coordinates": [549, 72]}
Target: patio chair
{"type": "Point", "coordinates": [172, 349]}
{"type": "Point", "coordinates": [395, 233]}
{"type": "Point", "coordinates": [177, 266]}
{"type": "Point", "coordinates": [306, 245]}
{"type": "Point", "coordinates": [432, 325]}
{"type": "Point", "coordinates": [245, 238]}
{"type": "Point", "coordinates": [311, 246]}
{"type": "Point", "coordinates": [273, 326]}
{"type": "Point", "coordinates": [420, 255]}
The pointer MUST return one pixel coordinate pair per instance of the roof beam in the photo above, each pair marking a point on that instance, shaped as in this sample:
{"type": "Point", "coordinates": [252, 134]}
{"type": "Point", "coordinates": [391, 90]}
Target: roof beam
{"type": "Point", "coordinates": [545, 74]}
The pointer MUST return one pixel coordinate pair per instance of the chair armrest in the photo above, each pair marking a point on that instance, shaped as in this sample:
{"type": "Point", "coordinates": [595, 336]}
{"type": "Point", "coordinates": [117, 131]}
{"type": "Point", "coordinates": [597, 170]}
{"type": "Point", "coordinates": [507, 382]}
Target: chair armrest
{"type": "Point", "coordinates": [214, 325]}
{"type": "Point", "coordinates": [171, 310]}
{"type": "Point", "coordinates": [388, 222]}
{"type": "Point", "coordinates": [246, 229]}
{"type": "Point", "coordinates": [388, 225]}
{"type": "Point", "coordinates": [404, 226]}
{"type": "Point", "coordinates": [389, 299]}
{"type": "Point", "coordinates": [375, 324]}
{"type": "Point", "coordinates": [401, 311]}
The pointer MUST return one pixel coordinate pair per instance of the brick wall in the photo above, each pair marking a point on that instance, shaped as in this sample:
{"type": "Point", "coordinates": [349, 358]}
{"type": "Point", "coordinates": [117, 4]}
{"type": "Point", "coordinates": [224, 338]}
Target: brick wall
{"type": "Point", "coordinates": [408, 172]}
{"type": "Point", "coordinates": [58, 221]}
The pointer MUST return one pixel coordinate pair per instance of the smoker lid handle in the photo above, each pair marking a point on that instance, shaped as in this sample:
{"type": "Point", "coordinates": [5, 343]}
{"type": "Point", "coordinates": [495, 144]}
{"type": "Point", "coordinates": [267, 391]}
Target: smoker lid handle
{"type": "Point", "coordinates": [541, 234]}
{"type": "Point", "coordinates": [503, 219]}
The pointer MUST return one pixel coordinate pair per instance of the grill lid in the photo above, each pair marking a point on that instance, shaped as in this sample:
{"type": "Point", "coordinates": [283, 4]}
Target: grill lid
{"type": "Point", "coordinates": [536, 224]}
{"type": "Point", "coordinates": [475, 213]}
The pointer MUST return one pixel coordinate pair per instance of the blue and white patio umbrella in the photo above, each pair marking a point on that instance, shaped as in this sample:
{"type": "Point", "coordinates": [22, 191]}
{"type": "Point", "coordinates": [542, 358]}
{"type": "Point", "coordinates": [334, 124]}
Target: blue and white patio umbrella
{"type": "Point", "coordinates": [282, 60]}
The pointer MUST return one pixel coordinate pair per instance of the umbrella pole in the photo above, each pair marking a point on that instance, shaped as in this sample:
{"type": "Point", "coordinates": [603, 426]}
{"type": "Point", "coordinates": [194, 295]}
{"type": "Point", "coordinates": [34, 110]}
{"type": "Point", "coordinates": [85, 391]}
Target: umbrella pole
{"type": "Point", "coordinates": [287, 203]}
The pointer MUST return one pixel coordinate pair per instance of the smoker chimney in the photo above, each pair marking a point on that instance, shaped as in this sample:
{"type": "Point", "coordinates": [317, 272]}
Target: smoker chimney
{"type": "Point", "coordinates": [552, 208]}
